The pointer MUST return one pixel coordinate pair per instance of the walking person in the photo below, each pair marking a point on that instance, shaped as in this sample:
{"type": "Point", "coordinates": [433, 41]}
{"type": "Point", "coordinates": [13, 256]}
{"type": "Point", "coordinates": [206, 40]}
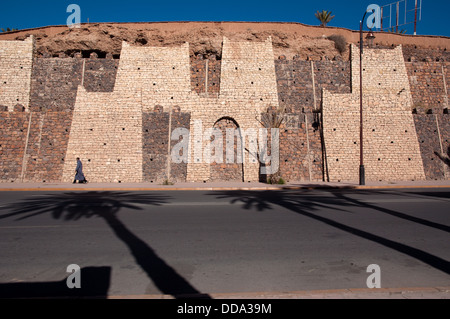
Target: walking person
{"type": "Point", "coordinates": [79, 176]}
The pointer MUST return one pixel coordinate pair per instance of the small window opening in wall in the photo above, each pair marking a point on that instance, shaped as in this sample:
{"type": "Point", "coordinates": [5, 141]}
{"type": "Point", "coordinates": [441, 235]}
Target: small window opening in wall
{"type": "Point", "coordinates": [252, 82]}
{"type": "Point", "coordinates": [334, 130]}
{"type": "Point", "coordinates": [354, 143]}
{"type": "Point", "coordinates": [414, 111]}
{"type": "Point", "coordinates": [89, 160]}
{"type": "Point", "coordinates": [118, 160]}
{"type": "Point", "coordinates": [373, 130]}
{"type": "Point", "coordinates": [406, 131]}
{"type": "Point", "coordinates": [120, 182]}
{"type": "Point", "coordinates": [123, 129]}
{"type": "Point", "coordinates": [260, 69]}
{"type": "Point", "coordinates": [409, 159]}
{"type": "Point", "coordinates": [446, 111]}
{"type": "Point", "coordinates": [337, 159]}
{"type": "Point", "coordinates": [154, 83]}
{"type": "Point", "coordinates": [173, 68]}
{"type": "Point", "coordinates": [104, 144]}
{"type": "Point", "coordinates": [392, 142]}
{"type": "Point", "coordinates": [62, 159]}
{"type": "Point", "coordinates": [430, 111]}
{"type": "Point", "coordinates": [235, 68]}
{"type": "Point", "coordinates": [139, 68]}
{"type": "Point", "coordinates": [395, 70]}
{"type": "Point", "coordinates": [379, 159]}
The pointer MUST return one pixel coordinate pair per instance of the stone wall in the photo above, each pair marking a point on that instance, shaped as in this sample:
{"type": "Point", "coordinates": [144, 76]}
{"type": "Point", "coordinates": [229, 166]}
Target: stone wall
{"type": "Point", "coordinates": [428, 81]}
{"type": "Point", "coordinates": [301, 156]}
{"type": "Point", "coordinates": [16, 60]}
{"type": "Point", "coordinates": [116, 115]}
{"type": "Point", "coordinates": [13, 137]}
{"type": "Point", "coordinates": [433, 133]}
{"type": "Point", "coordinates": [391, 150]}
{"type": "Point", "coordinates": [205, 74]}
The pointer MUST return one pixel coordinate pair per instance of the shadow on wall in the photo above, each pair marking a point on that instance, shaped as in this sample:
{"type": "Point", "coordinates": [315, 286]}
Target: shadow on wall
{"type": "Point", "coordinates": [74, 206]}
{"type": "Point", "coordinates": [445, 159]}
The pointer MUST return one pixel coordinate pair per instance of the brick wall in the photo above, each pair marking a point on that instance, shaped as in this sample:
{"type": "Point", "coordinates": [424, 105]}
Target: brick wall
{"type": "Point", "coordinates": [433, 133]}
{"type": "Point", "coordinates": [14, 129]}
{"type": "Point", "coordinates": [205, 74]}
{"type": "Point", "coordinates": [428, 85]}
{"type": "Point", "coordinates": [301, 148]}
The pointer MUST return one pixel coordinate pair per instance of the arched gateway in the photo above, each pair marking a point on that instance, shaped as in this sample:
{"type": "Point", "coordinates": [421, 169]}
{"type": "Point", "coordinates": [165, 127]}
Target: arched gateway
{"type": "Point", "coordinates": [229, 166]}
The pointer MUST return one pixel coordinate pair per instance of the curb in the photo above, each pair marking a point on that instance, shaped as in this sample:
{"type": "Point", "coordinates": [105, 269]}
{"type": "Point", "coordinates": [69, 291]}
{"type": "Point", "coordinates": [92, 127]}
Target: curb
{"type": "Point", "coordinates": [350, 293]}
{"type": "Point", "coordinates": [306, 187]}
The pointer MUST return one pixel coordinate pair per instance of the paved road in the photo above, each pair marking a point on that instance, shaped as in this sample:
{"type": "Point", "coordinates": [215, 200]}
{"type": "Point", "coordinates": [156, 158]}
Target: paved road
{"type": "Point", "coordinates": [219, 242]}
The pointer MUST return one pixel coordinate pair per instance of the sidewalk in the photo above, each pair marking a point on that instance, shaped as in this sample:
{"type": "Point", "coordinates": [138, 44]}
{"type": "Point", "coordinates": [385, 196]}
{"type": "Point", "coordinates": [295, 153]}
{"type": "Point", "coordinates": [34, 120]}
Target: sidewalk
{"type": "Point", "coordinates": [217, 186]}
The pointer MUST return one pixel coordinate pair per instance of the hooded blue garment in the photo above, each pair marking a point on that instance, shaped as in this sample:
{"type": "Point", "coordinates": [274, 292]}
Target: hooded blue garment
{"type": "Point", "coordinates": [79, 176]}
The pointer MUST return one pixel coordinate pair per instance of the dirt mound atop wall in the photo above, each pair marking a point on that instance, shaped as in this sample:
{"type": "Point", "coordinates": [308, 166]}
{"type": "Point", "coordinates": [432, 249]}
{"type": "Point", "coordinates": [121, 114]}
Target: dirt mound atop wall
{"type": "Point", "coordinates": [205, 38]}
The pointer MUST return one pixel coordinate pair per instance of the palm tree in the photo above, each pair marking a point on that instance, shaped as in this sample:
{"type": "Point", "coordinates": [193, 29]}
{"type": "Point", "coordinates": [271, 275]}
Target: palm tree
{"type": "Point", "coordinates": [9, 30]}
{"type": "Point", "coordinates": [324, 17]}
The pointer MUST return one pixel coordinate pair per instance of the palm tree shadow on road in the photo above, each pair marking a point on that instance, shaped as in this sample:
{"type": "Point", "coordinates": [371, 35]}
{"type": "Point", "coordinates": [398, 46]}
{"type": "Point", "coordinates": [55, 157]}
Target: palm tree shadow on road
{"type": "Point", "coordinates": [74, 206]}
{"type": "Point", "coordinates": [304, 204]}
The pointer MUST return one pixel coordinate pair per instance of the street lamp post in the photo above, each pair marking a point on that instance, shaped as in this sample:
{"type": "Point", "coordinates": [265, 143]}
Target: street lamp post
{"type": "Point", "coordinates": [362, 175]}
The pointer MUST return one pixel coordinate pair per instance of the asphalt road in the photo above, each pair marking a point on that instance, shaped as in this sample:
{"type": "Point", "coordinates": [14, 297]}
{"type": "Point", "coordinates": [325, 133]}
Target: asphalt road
{"type": "Point", "coordinates": [209, 242]}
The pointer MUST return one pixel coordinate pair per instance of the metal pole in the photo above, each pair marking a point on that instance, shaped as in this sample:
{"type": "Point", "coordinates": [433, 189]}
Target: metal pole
{"type": "Point", "coordinates": [396, 17]}
{"type": "Point", "coordinates": [415, 19]}
{"type": "Point", "coordinates": [381, 19]}
{"type": "Point", "coordinates": [362, 178]}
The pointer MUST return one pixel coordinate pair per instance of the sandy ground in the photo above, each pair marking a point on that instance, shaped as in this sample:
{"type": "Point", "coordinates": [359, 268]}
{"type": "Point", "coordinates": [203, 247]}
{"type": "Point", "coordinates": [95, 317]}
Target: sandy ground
{"type": "Point", "coordinates": [289, 39]}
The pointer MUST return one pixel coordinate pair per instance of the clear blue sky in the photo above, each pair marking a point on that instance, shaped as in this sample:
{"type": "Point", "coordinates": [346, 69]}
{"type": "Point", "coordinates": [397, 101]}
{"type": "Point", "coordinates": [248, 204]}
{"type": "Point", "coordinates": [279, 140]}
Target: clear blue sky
{"type": "Point", "coordinates": [30, 14]}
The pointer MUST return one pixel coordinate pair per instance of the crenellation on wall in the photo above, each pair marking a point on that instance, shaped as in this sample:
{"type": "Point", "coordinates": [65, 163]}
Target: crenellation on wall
{"type": "Point", "coordinates": [16, 62]}
{"type": "Point", "coordinates": [390, 148]}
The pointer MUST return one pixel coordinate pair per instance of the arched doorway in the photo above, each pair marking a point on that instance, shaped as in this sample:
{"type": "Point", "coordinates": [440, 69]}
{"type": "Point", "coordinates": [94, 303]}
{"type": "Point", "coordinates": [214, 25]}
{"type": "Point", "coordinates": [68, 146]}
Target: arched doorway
{"type": "Point", "coordinates": [228, 171]}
